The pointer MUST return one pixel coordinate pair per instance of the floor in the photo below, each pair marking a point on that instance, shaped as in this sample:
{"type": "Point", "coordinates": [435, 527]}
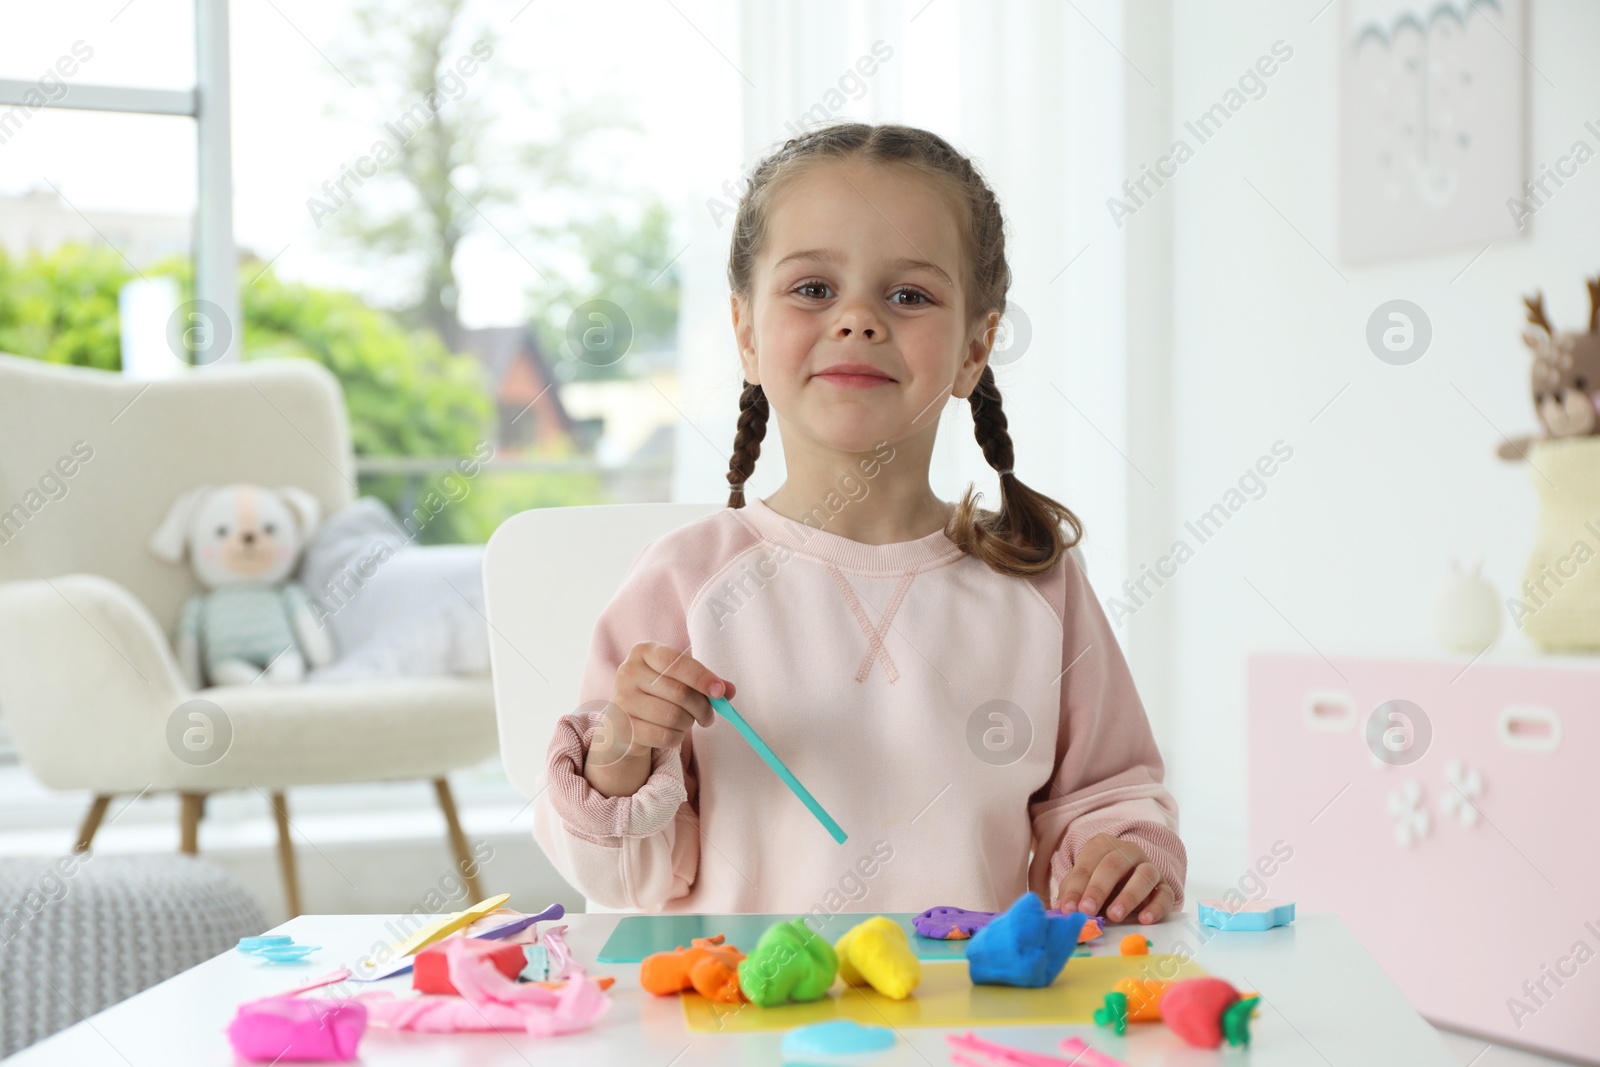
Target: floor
{"type": "Point", "coordinates": [359, 849]}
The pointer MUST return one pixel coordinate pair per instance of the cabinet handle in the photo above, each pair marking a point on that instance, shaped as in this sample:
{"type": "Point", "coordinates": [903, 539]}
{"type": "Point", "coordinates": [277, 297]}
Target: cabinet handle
{"type": "Point", "coordinates": [1330, 710]}
{"type": "Point", "coordinates": [1534, 729]}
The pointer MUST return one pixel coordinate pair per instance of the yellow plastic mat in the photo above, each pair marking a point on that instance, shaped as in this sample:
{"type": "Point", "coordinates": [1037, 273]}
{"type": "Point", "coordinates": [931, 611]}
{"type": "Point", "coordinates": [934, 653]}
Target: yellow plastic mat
{"type": "Point", "coordinates": [947, 997]}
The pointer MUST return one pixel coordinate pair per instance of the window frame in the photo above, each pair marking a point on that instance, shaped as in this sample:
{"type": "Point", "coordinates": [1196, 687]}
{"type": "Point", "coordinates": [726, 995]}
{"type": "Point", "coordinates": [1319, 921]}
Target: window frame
{"type": "Point", "coordinates": [208, 103]}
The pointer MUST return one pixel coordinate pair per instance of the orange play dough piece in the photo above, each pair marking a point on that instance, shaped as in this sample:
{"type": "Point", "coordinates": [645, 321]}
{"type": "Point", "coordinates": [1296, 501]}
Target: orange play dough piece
{"type": "Point", "coordinates": [1144, 998]}
{"type": "Point", "coordinates": [1089, 931]}
{"type": "Point", "coordinates": [707, 966]}
{"type": "Point", "coordinates": [1135, 945]}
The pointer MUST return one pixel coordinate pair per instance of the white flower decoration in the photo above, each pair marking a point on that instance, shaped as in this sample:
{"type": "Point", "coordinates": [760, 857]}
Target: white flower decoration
{"type": "Point", "coordinates": [1412, 821]}
{"type": "Point", "coordinates": [1458, 800]}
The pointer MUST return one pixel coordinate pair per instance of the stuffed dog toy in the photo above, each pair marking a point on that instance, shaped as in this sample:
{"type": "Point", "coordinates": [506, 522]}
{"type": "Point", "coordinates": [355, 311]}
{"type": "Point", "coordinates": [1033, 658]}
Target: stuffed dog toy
{"type": "Point", "coordinates": [243, 542]}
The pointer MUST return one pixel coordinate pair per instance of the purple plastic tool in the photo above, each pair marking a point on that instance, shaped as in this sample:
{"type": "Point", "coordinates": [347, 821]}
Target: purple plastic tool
{"type": "Point", "coordinates": [516, 926]}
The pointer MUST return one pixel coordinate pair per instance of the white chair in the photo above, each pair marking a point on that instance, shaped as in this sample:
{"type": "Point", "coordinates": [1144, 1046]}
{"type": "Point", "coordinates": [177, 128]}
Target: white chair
{"type": "Point", "coordinates": [89, 686]}
{"type": "Point", "coordinates": [547, 576]}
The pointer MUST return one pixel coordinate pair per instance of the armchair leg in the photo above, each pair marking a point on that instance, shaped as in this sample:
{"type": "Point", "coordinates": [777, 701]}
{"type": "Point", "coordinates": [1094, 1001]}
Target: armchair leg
{"type": "Point", "coordinates": [458, 840]}
{"type": "Point", "coordinates": [191, 806]}
{"type": "Point", "coordinates": [91, 821]}
{"type": "Point", "coordinates": [291, 882]}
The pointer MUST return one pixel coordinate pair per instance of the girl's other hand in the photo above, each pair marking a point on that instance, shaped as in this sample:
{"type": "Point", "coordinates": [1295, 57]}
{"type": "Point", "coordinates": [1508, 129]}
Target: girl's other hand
{"type": "Point", "coordinates": [1114, 872]}
{"type": "Point", "coordinates": [660, 693]}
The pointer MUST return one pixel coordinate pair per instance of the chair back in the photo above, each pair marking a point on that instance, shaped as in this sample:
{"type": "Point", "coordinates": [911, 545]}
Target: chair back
{"type": "Point", "coordinates": [91, 461]}
{"type": "Point", "coordinates": [547, 575]}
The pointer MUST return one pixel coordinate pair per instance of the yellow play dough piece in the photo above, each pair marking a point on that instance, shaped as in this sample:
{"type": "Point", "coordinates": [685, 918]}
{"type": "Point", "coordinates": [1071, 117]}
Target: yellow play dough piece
{"type": "Point", "coordinates": [875, 953]}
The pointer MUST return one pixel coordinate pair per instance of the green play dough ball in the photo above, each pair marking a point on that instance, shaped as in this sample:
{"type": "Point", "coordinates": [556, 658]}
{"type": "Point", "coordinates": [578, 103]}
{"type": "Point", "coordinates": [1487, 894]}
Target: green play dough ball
{"type": "Point", "coordinates": [789, 963]}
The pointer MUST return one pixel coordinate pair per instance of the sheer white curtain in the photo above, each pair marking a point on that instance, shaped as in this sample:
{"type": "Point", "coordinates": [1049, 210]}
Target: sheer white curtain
{"type": "Point", "coordinates": [1035, 91]}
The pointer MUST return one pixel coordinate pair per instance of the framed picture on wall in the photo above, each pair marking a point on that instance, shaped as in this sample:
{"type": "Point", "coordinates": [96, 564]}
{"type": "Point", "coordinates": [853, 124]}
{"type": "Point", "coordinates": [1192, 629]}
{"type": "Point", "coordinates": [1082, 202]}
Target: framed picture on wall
{"type": "Point", "coordinates": [1431, 118]}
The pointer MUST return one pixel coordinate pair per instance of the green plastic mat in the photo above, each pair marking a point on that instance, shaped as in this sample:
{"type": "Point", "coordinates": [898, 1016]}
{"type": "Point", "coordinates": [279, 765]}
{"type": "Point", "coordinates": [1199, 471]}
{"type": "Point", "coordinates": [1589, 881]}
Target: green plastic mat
{"type": "Point", "coordinates": [638, 936]}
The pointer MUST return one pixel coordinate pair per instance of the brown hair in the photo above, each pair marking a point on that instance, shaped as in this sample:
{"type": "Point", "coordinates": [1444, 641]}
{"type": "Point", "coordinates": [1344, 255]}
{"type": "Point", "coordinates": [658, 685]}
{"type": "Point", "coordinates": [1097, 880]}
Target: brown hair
{"type": "Point", "coordinates": [1024, 537]}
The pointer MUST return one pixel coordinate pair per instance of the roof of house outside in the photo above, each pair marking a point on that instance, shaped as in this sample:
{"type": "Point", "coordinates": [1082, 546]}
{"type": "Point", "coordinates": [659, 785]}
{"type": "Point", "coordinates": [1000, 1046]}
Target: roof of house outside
{"type": "Point", "coordinates": [500, 349]}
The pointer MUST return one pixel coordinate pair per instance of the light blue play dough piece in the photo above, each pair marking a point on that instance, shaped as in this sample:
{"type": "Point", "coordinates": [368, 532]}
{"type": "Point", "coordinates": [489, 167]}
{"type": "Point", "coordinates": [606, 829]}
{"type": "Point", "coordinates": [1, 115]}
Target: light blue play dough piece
{"type": "Point", "coordinates": [285, 953]}
{"type": "Point", "coordinates": [1259, 915]}
{"type": "Point", "coordinates": [256, 944]}
{"type": "Point", "coordinates": [836, 1038]}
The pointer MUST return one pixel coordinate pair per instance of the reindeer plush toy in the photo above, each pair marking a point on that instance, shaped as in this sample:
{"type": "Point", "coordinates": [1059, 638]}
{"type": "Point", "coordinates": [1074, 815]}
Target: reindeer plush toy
{"type": "Point", "coordinates": [1566, 375]}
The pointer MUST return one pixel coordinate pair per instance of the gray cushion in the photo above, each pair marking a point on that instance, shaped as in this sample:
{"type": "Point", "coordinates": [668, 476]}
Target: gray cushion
{"type": "Point", "coordinates": [80, 933]}
{"type": "Point", "coordinates": [396, 608]}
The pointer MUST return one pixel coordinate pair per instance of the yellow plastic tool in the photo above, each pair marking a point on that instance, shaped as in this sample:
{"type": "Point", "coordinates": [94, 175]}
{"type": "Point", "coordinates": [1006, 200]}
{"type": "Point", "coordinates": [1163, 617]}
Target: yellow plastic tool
{"type": "Point", "coordinates": [444, 927]}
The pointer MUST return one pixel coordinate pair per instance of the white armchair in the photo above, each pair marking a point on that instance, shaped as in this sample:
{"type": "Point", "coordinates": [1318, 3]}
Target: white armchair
{"type": "Point", "coordinates": [89, 687]}
{"type": "Point", "coordinates": [574, 557]}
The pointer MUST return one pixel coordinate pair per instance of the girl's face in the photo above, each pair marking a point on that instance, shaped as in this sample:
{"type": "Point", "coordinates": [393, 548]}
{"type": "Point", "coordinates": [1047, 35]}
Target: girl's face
{"type": "Point", "coordinates": [856, 327]}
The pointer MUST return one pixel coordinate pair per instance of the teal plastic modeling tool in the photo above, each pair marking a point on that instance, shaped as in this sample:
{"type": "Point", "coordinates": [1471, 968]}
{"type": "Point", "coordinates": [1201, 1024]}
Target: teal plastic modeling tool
{"type": "Point", "coordinates": [725, 709]}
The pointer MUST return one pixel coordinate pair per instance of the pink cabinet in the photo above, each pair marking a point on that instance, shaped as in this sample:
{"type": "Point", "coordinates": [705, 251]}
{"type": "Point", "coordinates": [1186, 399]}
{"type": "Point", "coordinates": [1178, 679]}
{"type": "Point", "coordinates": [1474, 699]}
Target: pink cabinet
{"type": "Point", "coordinates": [1450, 814]}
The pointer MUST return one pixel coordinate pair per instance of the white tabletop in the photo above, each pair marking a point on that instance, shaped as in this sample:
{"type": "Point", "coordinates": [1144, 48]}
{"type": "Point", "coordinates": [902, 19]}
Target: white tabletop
{"type": "Point", "coordinates": [1324, 1003]}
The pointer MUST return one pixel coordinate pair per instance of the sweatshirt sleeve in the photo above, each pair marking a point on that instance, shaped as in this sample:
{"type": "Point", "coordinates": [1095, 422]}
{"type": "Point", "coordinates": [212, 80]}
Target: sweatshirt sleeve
{"type": "Point", "coordinates": [1108, 771]}
{"type": "Point", "coordinates": [640, 851]}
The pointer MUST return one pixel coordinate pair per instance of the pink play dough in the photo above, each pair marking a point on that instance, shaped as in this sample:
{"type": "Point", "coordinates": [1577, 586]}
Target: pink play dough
{"type": "Point", "coordinates": [292, 1029]}
{"type": "Point", "coordinates": [491, 1001]}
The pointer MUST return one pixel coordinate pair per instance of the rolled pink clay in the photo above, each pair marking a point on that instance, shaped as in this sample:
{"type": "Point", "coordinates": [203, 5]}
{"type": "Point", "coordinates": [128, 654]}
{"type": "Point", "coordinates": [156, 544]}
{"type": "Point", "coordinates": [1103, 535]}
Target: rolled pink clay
{"type": "Point", "coordinates": [298, 1029]}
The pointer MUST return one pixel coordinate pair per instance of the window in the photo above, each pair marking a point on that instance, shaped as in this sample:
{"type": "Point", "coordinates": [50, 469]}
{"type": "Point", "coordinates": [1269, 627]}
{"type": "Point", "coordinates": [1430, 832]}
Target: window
{"type": "Point", "coordinates": [574, 188]}
{"type": "Point", "coordinates": [86, 84]}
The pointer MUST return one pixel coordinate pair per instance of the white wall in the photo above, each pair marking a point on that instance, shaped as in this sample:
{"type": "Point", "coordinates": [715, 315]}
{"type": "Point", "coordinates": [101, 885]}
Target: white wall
{"type": "Point", "coordinates": [1390, 480]}
{"type": "Point", "coordinates": [1352, 538]}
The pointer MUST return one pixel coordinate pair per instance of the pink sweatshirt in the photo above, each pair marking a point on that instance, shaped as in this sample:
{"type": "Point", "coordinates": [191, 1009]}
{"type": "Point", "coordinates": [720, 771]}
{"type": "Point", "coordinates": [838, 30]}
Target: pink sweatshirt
{"type": "Point", "coordinates": [970, 731]}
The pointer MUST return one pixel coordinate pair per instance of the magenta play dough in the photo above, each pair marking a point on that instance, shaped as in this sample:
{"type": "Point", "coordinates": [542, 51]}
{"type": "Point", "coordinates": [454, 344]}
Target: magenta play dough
{"type": "Point", "coordinates": [298, 1030]}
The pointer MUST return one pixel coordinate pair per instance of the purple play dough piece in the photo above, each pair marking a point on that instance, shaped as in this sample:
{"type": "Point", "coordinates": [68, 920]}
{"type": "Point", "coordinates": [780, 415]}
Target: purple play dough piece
{"type": "Point", "coordinates": [938, 923]}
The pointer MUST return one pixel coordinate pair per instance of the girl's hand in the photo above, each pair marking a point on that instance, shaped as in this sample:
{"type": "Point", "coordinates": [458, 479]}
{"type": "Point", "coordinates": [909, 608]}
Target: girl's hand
{"type": "Point", "coordinates": [1111, 870]}
{"type": "Point", "coordinates": [659, 694]}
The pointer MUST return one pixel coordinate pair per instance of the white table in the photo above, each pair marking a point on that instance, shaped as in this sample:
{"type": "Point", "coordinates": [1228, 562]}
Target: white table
{"type": "Point", "coordinates": [1325, 1003]}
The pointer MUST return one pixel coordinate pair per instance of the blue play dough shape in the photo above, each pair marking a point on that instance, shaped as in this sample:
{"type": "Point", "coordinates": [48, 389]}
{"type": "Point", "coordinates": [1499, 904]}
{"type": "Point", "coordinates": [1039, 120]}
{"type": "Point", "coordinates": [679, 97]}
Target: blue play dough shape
{"type": "Point", "coordinates": [1024, 946]}
{"type": "Point", "coordinates": [836, 1038]}
{"type": "Point", "coordinates": [1279, 915]}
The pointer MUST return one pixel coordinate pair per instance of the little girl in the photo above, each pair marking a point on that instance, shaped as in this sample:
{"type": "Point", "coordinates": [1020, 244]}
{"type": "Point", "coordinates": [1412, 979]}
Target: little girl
{"type": "Point", "coordinates": [940, 677]}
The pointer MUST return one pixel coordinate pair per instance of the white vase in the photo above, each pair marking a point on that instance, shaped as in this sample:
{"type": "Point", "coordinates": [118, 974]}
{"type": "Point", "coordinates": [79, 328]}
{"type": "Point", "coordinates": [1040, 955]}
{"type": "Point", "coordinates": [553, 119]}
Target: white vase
{"type": "Point", "coordinates": [1467, 612]}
